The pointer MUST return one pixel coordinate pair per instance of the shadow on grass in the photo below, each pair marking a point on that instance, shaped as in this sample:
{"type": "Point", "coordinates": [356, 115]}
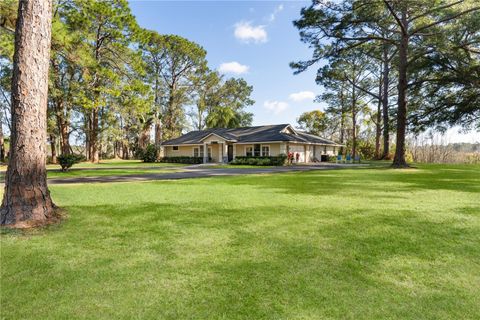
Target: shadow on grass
{"type": "Point", "coordinates": [159, 260]}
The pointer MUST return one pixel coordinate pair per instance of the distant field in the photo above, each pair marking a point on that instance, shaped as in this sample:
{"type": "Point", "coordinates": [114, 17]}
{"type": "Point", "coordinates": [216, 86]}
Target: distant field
{"type": "Point", "coordinates": [364, 243]}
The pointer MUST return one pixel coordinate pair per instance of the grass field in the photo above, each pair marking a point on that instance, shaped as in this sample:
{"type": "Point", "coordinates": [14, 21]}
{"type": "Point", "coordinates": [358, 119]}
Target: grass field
{"type": "Point", "coordinates": [106, 168]}
{"type": "Point", "coordinates": [347, 244]}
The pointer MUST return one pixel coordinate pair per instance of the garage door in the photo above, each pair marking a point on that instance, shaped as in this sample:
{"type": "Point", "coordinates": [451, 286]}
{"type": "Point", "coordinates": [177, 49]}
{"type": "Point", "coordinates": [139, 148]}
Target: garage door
{"type": "Point", "coordinates": [298, 149]}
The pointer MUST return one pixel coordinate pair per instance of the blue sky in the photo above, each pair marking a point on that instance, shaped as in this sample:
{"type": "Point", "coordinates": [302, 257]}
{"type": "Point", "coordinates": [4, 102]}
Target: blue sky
{"type": "Point", "coordinates": [255, 40]}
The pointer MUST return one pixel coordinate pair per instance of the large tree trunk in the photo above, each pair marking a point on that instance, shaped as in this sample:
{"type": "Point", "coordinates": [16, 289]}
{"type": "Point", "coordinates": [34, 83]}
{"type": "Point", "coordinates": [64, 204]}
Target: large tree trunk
{"type": "Point", "coordinates": [158, 133]}
{"type": "Point", "coordinates": [93, 141]}
{"type": "Point", "coordinates": [378, 124]}
{"type": "Point", "coordinates": [53, 148]}
{"type": "Point", "coordinates": [399, 159]}
{"type": "Point", "coordinates": [26, 200]}
{"type": "Point", "coordinates": [354, 121]}
{"type": "Point", "coordinates": [144, 138]}
{"type": "Point", "coordinates": [2, 144]}
{"type": "Point", "coordinates": [64, 138]}
{"type": "Point", "coordinates": [342, 120]}
{"type": "Point", "coordinates": [386, 120]}
{"type": "Point", "coordinates": [378, 129]}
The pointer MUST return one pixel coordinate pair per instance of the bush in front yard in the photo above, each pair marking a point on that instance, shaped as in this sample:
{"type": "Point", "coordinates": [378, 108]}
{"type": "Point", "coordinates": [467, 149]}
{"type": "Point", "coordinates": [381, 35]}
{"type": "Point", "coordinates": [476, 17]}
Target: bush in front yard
{"type": "Point", "coordinates": [260, 161]}
{"type": "Point", "coordinates": [149, 154]}
{"type": "Point", "coordinates": [186, 160]}
{"type": "Point", "coordinates": [66, 161]}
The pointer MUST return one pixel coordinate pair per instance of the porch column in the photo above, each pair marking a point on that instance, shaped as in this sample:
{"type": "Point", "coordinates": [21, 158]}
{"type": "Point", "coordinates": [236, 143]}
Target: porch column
{"type": "Point", "coordinates": [225, 153]}
{"type": "Point", "coordinates": [205, 152]}
{"type": "Point", "coordinates": [220, 155]}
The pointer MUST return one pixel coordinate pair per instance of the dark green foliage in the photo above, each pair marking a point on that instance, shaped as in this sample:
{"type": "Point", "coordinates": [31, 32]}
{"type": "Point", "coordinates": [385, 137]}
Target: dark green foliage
{"type": "Point", "coordinates": [260, 161]}
{"type": "Point", "coordinates": [66, 161]}
{"type": "Point", "coordinates": [186, 160]}
{"type": "Point", "coordinates": [149, 154]}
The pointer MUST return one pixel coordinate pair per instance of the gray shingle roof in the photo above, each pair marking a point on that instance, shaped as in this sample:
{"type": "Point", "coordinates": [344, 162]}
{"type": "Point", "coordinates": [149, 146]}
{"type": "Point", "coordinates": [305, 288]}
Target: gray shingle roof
{"type": "Point", "coordinates": [268, 133]}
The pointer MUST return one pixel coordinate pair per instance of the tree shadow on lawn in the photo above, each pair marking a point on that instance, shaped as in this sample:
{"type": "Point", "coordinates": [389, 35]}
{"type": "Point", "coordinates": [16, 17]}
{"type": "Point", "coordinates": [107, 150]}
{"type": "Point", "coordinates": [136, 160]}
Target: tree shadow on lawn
{"type": "Point", "coordinates": [171, 261]}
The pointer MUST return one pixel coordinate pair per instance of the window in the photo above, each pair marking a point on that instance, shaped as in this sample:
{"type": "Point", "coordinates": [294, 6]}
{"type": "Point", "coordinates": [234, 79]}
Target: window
{"type": "Point", "coordinates": [266, 151]}
{"type": "Point", "coordinates": [175, 147]}
{"type": "Point", "coordinates": [249, 151]}
{"type": "Point", "coordinates": [196, 152]}
{"type": "Point", "coordinates": [325, 149]}
{"type": "Point", "coordinates": [256, 150]}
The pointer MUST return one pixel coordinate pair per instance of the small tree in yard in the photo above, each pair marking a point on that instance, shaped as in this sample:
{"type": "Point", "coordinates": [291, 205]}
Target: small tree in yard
{"type": "Point", "coordinates": [26, 200]}
{"type": "Point", "coordinates": [66, 161]}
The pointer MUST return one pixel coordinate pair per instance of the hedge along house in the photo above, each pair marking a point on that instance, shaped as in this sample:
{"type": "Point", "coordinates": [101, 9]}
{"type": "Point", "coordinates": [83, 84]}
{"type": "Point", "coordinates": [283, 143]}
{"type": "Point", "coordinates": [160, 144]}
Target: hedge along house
{"type": "Point", "coordinates": [223, 145]}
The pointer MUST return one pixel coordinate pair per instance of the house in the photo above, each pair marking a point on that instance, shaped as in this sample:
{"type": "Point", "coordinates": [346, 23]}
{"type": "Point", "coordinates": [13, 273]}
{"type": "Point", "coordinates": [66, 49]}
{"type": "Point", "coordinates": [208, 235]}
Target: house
{"type": "Point", "coordinates": [223, 144]}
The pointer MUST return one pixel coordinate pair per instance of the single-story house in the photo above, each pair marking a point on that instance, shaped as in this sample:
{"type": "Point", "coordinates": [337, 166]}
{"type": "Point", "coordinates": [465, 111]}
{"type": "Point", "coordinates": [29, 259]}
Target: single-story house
{"type": "Point", "coordinates": [224, 144]}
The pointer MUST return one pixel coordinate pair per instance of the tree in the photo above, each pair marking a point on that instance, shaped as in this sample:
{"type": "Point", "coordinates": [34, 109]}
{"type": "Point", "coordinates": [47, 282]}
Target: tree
{"type": "Point", "coordinates": [106, 28]}
{"type": "Point", "coordinates": [27, 198]}
{"type": "Point", "coordinates": [154, 53]}
{"type": "Point", "coordinates": [350, 73]}
{"type": "Point", "coordinates": [452, 80]}
{"type": "Point", "coordinates": [207, 86]}
{"type": "Point", "coordinates": [352, 23]}
{"type": "Point", "coordinates": [314, 122]}
{"type": "Point", "coordinates": [181, 61]}
{"type": "Point", "coordinates": [228, 105]}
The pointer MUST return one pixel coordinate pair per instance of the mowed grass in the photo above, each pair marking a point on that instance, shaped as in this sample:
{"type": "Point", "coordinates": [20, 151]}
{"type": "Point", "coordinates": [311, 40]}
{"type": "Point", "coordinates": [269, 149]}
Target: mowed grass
{"type": "Point", "coordinates": [105, 172]}
{"type": "Point", "coordinates": [345, 244]}
{"type": "Point", "coordinates": [106, 168]}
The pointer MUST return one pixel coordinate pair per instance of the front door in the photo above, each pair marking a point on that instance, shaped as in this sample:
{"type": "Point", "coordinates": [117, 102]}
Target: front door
{"type": "Point", "coordinates": [230, 153]}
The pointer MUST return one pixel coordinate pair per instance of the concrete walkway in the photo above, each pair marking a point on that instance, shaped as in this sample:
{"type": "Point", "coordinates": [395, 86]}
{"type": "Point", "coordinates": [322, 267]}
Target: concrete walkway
{"type": "Point", "coordinates": [198, 171]}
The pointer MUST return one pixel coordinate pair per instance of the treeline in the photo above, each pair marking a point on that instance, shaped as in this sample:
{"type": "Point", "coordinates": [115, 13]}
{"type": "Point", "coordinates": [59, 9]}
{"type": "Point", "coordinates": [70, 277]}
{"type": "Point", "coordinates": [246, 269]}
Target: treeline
{"type": "Point", "coordinates": [390, 68]}
{"type": "Point", "coordinates": [113, 82]}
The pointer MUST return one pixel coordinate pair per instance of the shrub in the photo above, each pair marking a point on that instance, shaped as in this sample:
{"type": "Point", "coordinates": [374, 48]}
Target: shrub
{"type": "Point", "coordinates": [260, 161]}
{"type": "Point", "coordinates": [185, 160]}
{"type": "Point", "coordinates": [66, 161]}
{"type": "Point", "coordinates": [149, 154]}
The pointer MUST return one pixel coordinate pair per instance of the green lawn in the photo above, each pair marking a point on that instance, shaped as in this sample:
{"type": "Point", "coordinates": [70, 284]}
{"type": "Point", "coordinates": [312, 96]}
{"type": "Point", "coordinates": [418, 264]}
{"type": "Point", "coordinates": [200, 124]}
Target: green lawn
{"type": "Point", "coordinates": [105, 172]}
{"type": "Point", "coordinates": [107, 168]}
{"type": "Point", "coordinates": [346, 244]}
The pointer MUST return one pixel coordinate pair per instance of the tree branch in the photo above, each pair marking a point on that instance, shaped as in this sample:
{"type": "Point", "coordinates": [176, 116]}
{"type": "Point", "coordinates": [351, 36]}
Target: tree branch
{"type": "Point", "coordinates": [392, 12]}
{"type": "Point", "coordinates": [436, 9]}
{"type": "Point", "coordinates": [443, 20]}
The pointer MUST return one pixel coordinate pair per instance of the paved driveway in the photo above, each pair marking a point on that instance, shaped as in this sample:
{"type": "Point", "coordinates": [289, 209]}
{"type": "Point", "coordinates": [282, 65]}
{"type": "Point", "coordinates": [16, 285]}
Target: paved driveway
{"type": "Point", "coordinates": [199, 171]}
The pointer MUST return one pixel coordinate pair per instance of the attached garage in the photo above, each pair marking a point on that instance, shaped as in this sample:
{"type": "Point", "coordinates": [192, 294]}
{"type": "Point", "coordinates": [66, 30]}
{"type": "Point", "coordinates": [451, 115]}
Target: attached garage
{"type": "Point", "coordinates": [300, 149]}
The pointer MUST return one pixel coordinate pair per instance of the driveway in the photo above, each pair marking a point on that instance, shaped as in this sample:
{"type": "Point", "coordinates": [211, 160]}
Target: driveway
{"type": "Point", "coordinates": [198, 171]}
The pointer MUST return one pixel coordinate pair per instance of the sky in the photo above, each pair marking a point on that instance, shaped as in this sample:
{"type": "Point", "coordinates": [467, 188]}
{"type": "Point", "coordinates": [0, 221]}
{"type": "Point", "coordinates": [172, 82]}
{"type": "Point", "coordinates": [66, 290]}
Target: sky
{"type": "Point", "coordinates": [255, 40]}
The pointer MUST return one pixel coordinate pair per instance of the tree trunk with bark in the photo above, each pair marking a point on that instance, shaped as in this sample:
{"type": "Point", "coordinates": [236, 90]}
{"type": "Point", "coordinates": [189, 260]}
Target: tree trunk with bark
{"type": "Point", "coordinates": [2, 144]}
{"type": "Point", "coordinates": [386, 118]}
{"type": "Point", "coordinates": [53, 148]}
{"type": "Point", "coordinates": [26, 200]}
{"type": "Point", "coordinates": [399, 159]}
{"type": "Point", "coordinates": [354, 123]}
{"type": "Point", "coordinates": [378, 129]}
{"type": "Point", "coordinates": [93, 137]}
{"type": "Point", "coordinates": [64, 138]}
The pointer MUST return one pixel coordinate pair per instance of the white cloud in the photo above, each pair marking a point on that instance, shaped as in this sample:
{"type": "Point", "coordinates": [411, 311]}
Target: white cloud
{"type": "Point", "coordinates": [275, 106]}
{"type": "Point", "coordinates": [302, 95]}
{"type": "Point", "coordinates": [273, 15]}
{"type": "Point", "coordinates": [244, 31]}
{"type": "Point", "coordinates": [233, 67]}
